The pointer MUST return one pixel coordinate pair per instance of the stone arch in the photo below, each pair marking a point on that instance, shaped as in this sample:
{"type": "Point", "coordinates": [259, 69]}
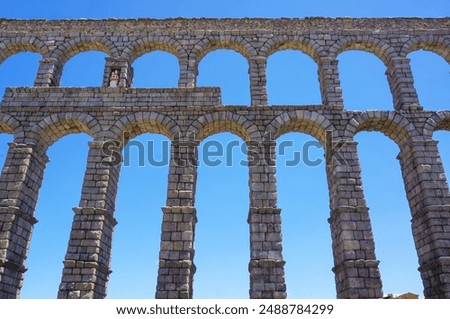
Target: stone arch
{"type": "Point", "coordinates": [132, 125]}
{"type": "Point", "coordinates": [433, 43]}
{"type": "Point", "coordinates": [286, 42]}
{"type": "Point", "coordinates": [55, 126]}
{"type": "Point", "coordinates": [211, 43]}
{"type": "Point", "coordinates": [303, 121]}
{"type": "Point", "coordinates": [69, 49]}
{"type": "Point", "coordinates": [154, 43]}
{"type": "Point", "coordinates": [392, 124]}
{"type": "Point", "coordinates": [384, 51]}
{"type": "Point", "coordinates": [219, 122]}
{"type": "Point", "coordinates": [9, 47]}
{"type": "Point", "coordinates": [439, 121]}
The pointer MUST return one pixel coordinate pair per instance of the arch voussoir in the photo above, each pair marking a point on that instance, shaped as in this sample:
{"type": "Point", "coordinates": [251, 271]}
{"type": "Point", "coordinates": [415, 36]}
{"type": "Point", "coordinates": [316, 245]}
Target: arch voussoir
{"type": "Point", "coordinates": [392, 124]}
{"type": "Point", "coordinates": [51, 128]}
{"type": "Point", "coordinates": [303, 121]}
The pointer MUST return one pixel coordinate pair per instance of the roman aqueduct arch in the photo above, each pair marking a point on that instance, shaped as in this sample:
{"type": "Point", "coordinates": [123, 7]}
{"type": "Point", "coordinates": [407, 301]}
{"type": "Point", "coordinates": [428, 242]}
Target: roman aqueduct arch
{"type": "Point", "coordinates": [38, 116]}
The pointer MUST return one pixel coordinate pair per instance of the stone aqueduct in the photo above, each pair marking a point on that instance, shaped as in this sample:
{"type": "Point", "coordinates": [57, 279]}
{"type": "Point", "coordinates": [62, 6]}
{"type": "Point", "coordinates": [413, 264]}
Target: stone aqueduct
{"type": "Point", "coordinates": [38, 116]}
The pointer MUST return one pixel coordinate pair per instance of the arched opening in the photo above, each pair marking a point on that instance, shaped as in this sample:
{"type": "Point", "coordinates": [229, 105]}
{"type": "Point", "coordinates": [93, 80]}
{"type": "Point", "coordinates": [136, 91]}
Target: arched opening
{"type": "Point", "coordinates": [222, 250]}
{"type": "Point", "coordinates": [156, 69]}
{"type": "Point", "coordinates": [142, 193]}
{"type": "Point", "coordinates": [60, 192]}
{"type": "Point", "coordinates": [363, 81]}
{"type": "Point", "coordinates": [292, 79]}
{"type": "Point", "coordinates": [85, 69]}
{"type": "Point", "coordinates": [228, 70]}
{"type": "Point", "coordinates": [390, 214]}
{"type": "Point", "coordinates": [302, 197]}
{"type": "Point", "coordinates": [19, 70]}
{"type": "Point", "coordinates": [431, 79]}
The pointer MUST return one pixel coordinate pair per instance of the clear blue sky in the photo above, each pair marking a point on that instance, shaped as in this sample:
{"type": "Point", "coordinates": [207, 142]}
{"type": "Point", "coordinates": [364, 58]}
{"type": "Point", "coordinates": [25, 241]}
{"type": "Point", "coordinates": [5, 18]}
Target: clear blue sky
{"type": "Point", "coordinates": [222, 238]}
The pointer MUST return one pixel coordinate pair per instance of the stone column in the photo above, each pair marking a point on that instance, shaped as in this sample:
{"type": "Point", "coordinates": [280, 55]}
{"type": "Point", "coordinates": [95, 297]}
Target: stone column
{"type": "Point", "coordinates": [176, 257]}
{"type": "Point", "coordinates": [330, 85]}
{"type": "Point", "coordinates": [429, 200]}
{"type": "Point", "coordinates": [258, 80]}
{"type": "Point", "coordinates": [87, 261]}
{"type": "Point", "coordinates": [355, 265]}
{"type": "Point", "coordinates": [49, 73]}
{"type": "Point", "coordinates": [401, 82]}
{"type": "Point", "coordinates": [123, 66]}
{"type": "Point", "coordinates": [188, 73]}
{"type": "Point", "coordinates": [20, 182]}
{"type": "Point", "coordinates": [266, 264]}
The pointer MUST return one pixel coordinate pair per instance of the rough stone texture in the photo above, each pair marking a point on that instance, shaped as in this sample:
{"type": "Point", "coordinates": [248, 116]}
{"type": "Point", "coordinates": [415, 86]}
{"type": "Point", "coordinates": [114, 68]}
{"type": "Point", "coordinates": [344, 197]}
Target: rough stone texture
{"type": "Point", "coordinates": [39, 116]}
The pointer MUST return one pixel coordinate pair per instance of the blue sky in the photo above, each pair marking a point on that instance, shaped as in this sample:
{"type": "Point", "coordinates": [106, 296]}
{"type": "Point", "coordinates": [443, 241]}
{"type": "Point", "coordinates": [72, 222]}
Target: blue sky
{"type": "Point", "coordinates": [222, 239]}
{"type": "Point", "coordinates": [52, 9]}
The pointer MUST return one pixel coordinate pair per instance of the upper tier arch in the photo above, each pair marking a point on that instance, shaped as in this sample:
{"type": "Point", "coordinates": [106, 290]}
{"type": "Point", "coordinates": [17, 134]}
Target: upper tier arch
{"type": "Point", "coordinates": [384, 51]}
{"type": "Point", "coordinates": [433, 43]}
{"type": "Point", "coordinates": [216, 42]}
{"type": "Point", "coordinates": [154, 43]}
{"type": "Point", "coordinates": [294, 42]}
{"type": "Point", "coordinates": [69, 49]}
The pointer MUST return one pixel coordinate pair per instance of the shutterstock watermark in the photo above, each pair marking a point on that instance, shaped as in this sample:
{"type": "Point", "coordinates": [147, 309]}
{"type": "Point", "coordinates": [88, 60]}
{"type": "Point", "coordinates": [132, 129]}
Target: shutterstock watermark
{"type": "Point", "coordinates": [213, 153]}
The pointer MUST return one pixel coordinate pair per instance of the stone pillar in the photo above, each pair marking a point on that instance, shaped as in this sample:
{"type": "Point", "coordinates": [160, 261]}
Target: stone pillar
{"type": "Point", "coordinates": [49, 73]}
{"type": "Point", "coordinates": [123, 66]}
{"type": "Point", "coordinates": [429, 200]}
{"type": "Point", "coordinates": [20, 182]}
{"type": "Point", "coordinates": [355, 265]}
{"type": "Point", "coordinates": [401, 82]}
{"type": "Point", "coordinates": [330, 85]}
{"type": "Point", "coordinates": [258, 80]}
{"type": "Point", "coordinates": [176, 257]}
{"type": "Point", "coordinates": [188, 73]}
{"type": "Point", "coordinates": [87, 261]}
{"type": "Point", "coordinates": [266, 264]}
